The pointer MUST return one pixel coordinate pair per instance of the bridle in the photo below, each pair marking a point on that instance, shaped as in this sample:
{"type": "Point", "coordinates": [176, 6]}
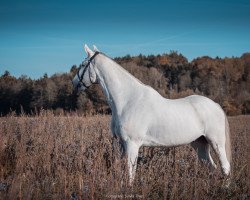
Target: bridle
{"type": "Point", "coordinates": [87, 65]}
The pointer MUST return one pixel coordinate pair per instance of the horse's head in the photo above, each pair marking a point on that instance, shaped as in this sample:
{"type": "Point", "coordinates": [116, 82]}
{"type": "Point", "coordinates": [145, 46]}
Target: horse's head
{"type": "Point", "coordinates": [86, 75]}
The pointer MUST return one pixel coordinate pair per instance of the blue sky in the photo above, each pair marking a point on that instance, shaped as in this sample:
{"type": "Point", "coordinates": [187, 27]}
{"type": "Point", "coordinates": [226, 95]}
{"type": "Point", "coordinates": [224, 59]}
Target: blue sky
{"type": "Point", "coordinates": [38, 37]}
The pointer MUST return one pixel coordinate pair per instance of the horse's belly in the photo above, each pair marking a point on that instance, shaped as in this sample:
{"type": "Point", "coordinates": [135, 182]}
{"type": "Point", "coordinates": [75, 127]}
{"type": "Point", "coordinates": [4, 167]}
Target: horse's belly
{"type": "Point", "coordinates": [174, 132]}
{"type": "Point", "coordinates": [168, 138]}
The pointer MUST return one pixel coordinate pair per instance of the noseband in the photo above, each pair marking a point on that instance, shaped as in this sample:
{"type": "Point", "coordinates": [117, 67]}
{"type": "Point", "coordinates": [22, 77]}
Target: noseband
{"type": "Point", "coordinates": [80, 77]}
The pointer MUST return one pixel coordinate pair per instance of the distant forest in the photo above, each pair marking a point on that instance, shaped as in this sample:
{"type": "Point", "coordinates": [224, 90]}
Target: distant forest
{"type": "Point", "coordinates": [225, 80]}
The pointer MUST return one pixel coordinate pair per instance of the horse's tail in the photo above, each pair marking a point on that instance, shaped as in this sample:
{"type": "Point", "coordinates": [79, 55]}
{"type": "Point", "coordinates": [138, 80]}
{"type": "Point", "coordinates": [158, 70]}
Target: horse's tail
{"type": "Point", "coordinates": [228, 142]}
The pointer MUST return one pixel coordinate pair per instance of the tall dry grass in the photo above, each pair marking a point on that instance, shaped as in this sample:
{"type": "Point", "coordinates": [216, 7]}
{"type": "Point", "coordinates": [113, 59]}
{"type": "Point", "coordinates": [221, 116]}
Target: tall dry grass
{"type": "Point", "coordinates": [67, 157]}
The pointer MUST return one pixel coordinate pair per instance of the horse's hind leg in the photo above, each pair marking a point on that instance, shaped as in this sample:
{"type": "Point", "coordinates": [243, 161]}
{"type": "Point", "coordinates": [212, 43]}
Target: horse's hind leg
{"type": "Point", "coordinates": [202, 148]}
{"type": "Point", "coordinates": [219, 147]}
{"type": "Point", "coordinates": [208, 148]}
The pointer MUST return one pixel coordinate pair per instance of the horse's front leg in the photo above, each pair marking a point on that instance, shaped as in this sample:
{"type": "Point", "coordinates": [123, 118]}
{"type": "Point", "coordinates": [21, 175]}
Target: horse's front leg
{"type": "Point", "coordinates": [132, 149]}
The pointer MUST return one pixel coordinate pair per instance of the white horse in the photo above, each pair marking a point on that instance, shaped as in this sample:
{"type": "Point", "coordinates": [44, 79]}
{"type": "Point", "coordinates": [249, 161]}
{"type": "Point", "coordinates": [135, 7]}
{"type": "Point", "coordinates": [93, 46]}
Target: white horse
{"type": "Point", "coordinates": [142, 117]}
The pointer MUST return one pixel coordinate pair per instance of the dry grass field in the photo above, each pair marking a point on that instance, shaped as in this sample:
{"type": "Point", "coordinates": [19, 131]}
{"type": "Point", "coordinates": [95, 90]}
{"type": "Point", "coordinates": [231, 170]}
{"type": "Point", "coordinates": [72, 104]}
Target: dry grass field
{"type": "Point", "coordinates": [71, 157]}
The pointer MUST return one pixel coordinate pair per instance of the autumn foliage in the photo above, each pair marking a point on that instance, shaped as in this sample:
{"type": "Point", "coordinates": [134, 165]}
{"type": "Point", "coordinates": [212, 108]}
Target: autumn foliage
{"type": "Point", "coordinates": [225, 80]}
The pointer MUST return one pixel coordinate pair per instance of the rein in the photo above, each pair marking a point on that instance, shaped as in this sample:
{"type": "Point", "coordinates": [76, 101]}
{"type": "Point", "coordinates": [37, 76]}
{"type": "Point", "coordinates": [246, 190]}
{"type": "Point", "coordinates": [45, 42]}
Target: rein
{"type": "Point", "coordinates": [80, 77]}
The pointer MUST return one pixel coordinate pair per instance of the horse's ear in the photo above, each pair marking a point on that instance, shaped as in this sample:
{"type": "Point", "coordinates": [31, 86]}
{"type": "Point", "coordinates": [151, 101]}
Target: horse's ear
{"type": "Point", "coordinates": [95, 48]}
{"type": "Point", "coordinates": [88, 51]}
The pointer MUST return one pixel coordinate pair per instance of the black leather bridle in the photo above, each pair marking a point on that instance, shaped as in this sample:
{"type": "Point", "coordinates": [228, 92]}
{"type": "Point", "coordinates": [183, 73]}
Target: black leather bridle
{"type": "Point", "coordinates": [86, 66]}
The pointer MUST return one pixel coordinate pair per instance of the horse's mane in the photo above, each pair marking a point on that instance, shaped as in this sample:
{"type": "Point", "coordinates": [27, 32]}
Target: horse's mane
{"type": "Point", "coordinates": [123, 70]}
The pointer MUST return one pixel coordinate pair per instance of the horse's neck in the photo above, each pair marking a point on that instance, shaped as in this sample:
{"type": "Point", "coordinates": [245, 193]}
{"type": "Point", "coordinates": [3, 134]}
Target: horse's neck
{"type": "Point", "coordinates": [117, 84]}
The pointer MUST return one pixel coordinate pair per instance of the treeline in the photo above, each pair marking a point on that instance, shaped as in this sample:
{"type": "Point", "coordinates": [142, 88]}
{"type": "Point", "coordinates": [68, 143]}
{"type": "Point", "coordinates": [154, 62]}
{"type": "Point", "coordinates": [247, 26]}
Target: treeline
{"type": "Point", "coordinates": [226, 81]}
